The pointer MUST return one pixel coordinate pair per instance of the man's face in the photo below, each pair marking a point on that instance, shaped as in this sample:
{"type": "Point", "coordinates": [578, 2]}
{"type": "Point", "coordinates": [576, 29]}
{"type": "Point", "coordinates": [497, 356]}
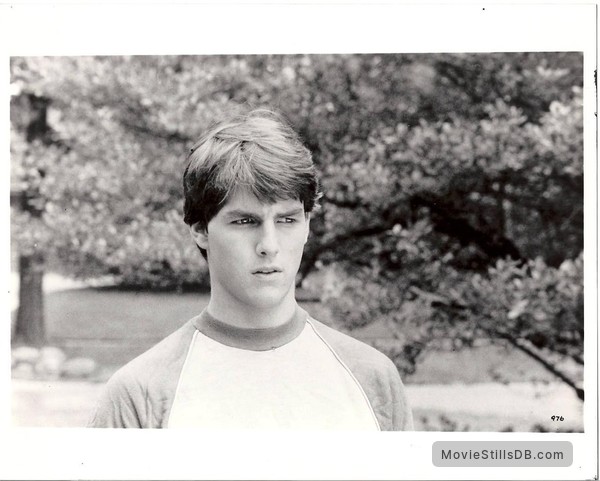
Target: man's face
{"type": "Point", "coordinates": [254, 250]}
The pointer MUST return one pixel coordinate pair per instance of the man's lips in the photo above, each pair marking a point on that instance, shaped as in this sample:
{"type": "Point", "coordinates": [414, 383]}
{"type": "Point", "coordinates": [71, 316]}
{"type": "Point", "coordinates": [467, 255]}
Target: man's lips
{"type": "Point", "coordinates": [266, 270]}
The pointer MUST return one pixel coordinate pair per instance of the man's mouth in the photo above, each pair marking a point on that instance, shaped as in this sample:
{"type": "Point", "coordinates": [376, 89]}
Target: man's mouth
{"type": "Point", "coordinates": [267, 270]}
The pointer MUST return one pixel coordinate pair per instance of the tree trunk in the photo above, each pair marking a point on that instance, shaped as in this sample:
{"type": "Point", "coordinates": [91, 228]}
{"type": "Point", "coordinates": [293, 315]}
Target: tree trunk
{"type": "Point", "coordinates": [30, 327]}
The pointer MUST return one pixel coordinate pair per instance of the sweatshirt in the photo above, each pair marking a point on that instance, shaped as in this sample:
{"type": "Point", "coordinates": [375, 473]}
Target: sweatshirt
{"type": "Point", "coordinates": [297, 376]}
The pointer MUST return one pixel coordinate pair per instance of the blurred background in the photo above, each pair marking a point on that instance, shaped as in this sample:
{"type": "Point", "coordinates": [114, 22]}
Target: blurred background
{"type": "Point", "coordinates": [450, 234]}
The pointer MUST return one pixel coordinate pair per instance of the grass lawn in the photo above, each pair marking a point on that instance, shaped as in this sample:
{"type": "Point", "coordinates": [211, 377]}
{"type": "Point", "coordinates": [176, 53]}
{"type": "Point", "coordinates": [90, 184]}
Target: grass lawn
{"type": "Point", "coordinates": [113, 326]}
{"type": "Point", "coordinates": [108, 314]}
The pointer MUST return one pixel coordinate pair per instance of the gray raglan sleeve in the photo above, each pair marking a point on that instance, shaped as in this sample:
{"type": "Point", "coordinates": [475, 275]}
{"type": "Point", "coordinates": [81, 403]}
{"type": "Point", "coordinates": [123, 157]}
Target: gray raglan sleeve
{"type": "Point", "coordinates": [401, 418]}
{"type": "Point", "coordinates": [121, 404]}
{"type": "Point", "coordinates": [140, 394]}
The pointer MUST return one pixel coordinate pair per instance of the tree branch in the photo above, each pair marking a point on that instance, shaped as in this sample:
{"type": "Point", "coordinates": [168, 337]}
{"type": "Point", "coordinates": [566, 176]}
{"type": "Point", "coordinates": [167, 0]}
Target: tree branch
{"type": "Point", "coordinates": [517, 343]}
{"type": "Point", "coordinates": [448, 222]}
{"type": "Point", "coordinates": [311, 257]}
{"type": "Point", "coordinates": [544, 362]}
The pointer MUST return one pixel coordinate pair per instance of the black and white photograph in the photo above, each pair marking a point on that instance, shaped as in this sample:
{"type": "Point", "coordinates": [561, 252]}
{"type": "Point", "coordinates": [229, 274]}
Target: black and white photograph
{"type": "Point", "coordinates": [448, 235]}
{"type": "Point", "coordinates": [323, 243]}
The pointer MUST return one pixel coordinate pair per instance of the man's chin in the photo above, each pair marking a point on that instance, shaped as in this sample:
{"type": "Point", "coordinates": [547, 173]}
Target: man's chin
{"type": "Point", "coordinates": [266, 303]}
{"type": "Point", "coordinates": [268, 300]}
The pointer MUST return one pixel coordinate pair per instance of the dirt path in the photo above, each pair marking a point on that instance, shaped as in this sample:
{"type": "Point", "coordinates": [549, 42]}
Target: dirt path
{"type": "Point", "coordinates": [517, 406]}
{"type": "Point", "coordinates": [478, 407]}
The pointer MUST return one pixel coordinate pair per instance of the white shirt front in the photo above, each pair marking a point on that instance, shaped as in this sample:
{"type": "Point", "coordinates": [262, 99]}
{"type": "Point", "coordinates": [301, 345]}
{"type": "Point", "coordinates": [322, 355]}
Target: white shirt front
{"type": "Point", "coordinates": [300, 385]}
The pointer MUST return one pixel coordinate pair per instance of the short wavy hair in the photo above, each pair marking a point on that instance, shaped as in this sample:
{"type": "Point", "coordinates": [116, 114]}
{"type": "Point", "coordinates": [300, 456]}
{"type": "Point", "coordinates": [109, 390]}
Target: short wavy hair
{"type": "Point", "coordinates": [258, 151]}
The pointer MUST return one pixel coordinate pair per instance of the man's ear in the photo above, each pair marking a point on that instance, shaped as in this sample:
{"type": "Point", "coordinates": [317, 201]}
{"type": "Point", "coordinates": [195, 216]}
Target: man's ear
{"type": "Point", "coordinates": [200, 235]}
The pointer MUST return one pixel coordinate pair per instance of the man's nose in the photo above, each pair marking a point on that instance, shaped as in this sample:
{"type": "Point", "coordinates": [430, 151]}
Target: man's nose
{"type": "Point", "coordinates": [268, 244]}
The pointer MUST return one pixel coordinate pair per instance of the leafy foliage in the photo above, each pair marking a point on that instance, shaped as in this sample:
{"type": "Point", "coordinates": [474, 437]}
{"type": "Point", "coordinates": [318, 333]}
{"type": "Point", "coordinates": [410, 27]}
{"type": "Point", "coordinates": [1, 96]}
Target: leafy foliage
{"type": "Point", "coordinates": [446, 177]}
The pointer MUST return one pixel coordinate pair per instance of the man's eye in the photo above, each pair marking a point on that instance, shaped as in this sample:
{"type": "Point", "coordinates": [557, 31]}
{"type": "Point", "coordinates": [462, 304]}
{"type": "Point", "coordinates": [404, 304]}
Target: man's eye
{"type": "Point", "coordinates": [243, 221]}
{"type": "Point", "coordinates": [288, 220]}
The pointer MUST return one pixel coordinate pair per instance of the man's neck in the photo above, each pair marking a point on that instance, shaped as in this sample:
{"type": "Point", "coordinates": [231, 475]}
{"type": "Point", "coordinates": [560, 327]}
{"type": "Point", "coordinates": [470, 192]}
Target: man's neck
{"type": "Point", "coordinates": [251, 317]}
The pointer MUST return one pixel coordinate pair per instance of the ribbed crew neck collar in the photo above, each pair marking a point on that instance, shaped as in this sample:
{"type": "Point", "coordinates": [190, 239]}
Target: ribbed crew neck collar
{"type": "Point", "coordinates": [253, 339]}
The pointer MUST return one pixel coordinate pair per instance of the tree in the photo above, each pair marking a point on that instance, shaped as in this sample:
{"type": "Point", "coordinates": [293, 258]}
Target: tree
{"type": "Point", "coordinates": [30, 114]}
{"type": "Point", "coordinates": [465, 194]}
{"type": "Point", "coordinates": [434, 167]}
{"type": "Point", "coordinates": [536, 308]}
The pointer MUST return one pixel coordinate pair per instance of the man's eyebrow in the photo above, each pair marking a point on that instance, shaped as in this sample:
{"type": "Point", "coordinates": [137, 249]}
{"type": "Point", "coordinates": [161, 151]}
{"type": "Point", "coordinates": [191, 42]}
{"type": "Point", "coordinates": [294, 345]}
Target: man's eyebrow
{"type": "Point", "coordinates": [244, 213]}
{"type": "Point", "coordinates": [240, 213]}
{"type": "Point", "coordinates": [292, 212]}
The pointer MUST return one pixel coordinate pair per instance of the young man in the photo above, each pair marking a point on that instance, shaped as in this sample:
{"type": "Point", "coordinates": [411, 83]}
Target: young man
{"type": "Point", "coordinates": [253, 359]}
